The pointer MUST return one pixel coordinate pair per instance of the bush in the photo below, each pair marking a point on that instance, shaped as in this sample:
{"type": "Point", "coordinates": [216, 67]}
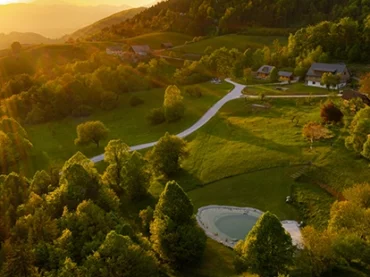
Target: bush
{"type": "Point", "coordinates": [156, 116]}
{"type": "Point", "coordinates": [330, 113]}
{"type": "Point", "coordinates": [83, 110]}
{"type": "Point", "coordinates": [108, 100]}
{"type": "Point", "coordinates": [135, 101]}
{"type": "Point", "coordinates": [194, 92]}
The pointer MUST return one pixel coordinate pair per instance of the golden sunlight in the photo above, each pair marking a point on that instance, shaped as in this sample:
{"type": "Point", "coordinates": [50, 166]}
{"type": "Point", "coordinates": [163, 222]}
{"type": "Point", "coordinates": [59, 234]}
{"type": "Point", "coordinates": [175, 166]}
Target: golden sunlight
{"type": "Point", "coordinates": [4, 2]}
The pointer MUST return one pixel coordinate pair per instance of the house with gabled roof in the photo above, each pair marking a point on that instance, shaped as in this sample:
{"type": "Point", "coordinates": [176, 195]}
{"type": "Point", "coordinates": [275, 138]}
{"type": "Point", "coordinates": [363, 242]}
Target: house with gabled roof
{"type": "Point", "coordinates": [314, 74]}
{"type": "Point", "coordinates": [264, 71]}
{"type": "Point", "coordinates": [140, 50]}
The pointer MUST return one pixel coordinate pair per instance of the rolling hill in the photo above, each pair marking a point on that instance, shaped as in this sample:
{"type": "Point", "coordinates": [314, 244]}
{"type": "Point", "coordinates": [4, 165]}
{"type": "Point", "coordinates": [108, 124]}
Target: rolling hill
{"type": "Point", "coordinates": [51, 20]}
{"type": "Point", "coordinates": [106, 22]}
{"type": "Point", "coordinates": [24, 38]}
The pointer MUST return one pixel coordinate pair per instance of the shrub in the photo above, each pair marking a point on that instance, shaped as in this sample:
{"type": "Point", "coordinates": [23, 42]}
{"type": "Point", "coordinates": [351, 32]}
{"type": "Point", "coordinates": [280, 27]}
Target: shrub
{"type": "Point", "coordinates": [135, 101]}
{"type": "Point", "coordinates": [156, 116]}
{"type": "Point", "coordinates": [194, 92]}
{"type": "Point", "coordinates": [108, 100]}
{"type": "Point", "coordinates": [83, 110]}
{"type": "Point", "coordinates": [330, 113]}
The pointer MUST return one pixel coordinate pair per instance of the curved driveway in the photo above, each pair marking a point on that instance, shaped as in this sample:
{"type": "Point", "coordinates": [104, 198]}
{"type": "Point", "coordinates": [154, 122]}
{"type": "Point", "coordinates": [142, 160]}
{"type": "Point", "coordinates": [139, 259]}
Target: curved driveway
{"type": "Point", "coordinates": [234, 94]}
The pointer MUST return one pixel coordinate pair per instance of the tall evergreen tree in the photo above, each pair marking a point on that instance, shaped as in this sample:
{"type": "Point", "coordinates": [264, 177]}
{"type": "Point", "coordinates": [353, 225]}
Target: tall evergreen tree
{"type": "Point", "coordinates": [267, 250]}
{"type": "Point", "coordinates": [174, 233]}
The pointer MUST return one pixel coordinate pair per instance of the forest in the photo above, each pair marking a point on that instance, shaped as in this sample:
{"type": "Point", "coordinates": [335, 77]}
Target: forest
{"type": "Point", "coordinates": [216, 17]}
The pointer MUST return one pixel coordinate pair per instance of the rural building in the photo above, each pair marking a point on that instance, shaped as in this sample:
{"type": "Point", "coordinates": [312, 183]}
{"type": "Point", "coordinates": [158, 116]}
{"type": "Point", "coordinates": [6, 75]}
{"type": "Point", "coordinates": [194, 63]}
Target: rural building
{"type": "Point", "coordinates": [166, 45]}
{"type": "Point", "coordinates": [285, 76]}
{"type": "Point", "coordinates": [140, 50]}
{"type": "Point", "coordinates": [264, 71]}
{"type": "Point", "coordinates": [314, 74]}
{"type": "Point", "coordinates": [349, 94]}
{"type": "Point", "coordinates": [115, 50]}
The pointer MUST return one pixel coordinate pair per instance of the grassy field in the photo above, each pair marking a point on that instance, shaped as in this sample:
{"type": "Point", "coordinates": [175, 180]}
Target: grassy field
{"type": "Point", "coordinates": [247, 140]}
{"type": "Point", "coordinates": [154, 40]}
{"type": "Point", "coordinates": [54, 141]}
{"type": "Point", "coordinates": [265, 190]}
{"type": "Point", "coordinates": [241, 42]}
{"type": "Point", "coordinates": [297, 88]}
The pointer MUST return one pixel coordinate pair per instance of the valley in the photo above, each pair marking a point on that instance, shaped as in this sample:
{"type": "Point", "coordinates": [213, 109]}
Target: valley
{"type": "Point", "coordinates": [114, 137]}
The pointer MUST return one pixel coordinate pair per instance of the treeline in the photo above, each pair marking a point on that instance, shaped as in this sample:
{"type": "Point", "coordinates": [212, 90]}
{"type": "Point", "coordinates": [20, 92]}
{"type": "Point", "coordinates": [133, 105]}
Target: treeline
{"type": "Point", "coordinates": [75, 222]}
{"type": "Point", "coordinates": [210, 17]}
{"type": "Point", "coordinates": [77, 88]}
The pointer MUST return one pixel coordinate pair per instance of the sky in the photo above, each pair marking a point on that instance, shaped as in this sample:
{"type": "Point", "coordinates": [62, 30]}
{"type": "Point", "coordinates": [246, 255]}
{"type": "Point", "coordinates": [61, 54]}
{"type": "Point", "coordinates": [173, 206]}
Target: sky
{"type": "Point", "coordinates": [83, 2]}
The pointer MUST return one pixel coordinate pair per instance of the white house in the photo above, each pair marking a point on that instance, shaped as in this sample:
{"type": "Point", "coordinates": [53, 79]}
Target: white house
{"type": "Point", "coordinates": [115, 50]}
{"type": "Point", "coordinates": [314, 74]}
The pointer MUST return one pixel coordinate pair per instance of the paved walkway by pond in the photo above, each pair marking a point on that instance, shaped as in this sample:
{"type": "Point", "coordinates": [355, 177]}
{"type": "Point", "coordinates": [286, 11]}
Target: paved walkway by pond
{"type": "Point", "coordinates": [233, 94]}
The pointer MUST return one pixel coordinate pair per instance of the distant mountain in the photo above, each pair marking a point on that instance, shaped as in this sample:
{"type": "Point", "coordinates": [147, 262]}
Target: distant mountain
{"type": "Point", "coordinates": [24, 38]}
{"type": "Point", "coordinates": [106, 22]}
{"type": "Point", "coordinates": [51, 20]}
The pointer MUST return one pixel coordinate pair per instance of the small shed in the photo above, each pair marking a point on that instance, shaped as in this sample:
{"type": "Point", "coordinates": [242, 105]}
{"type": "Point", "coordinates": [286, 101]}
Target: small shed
{"type": "Point", "coordinates": [285, 75]}
{"type": "Point", "coordinates": [166, 45]}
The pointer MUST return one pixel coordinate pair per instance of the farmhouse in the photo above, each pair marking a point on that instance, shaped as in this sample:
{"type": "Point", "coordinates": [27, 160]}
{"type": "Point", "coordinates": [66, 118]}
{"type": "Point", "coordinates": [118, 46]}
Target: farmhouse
{"type": "Point", "coordinates": [115, 50]}
{"type": "Point", "coordinates": [166, 45]}
{"type": "Point", "coordinates": [314, 74]}
{"type": "Point", "coordinates": [285, 75]}
{"type": "Point", "coordinates": [264, 71]}
{"type": "Point", "coordinates": [140, 50]}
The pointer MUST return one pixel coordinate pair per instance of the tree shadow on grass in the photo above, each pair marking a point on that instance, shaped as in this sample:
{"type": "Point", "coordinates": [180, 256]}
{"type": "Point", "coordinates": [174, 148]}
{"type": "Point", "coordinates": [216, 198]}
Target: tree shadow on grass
{"type": "Point", "coordinates": [252, 139]}
{"type": "Point", "coordinates": [187, 180]}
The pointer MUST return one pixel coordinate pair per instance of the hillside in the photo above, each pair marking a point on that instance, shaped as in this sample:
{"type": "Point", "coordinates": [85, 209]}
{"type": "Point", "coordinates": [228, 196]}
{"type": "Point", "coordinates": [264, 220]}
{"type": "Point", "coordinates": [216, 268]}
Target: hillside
{"type": "Point", "coordinates": [106, 22]}
{"type": "Point", "coordinates": [24, 38]}
{"type": "Point", "coordinates": [211, 17]}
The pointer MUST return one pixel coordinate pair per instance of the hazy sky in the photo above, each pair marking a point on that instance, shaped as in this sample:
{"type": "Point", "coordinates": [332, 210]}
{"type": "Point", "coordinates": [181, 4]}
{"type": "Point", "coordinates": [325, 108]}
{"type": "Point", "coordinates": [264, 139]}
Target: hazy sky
{"type": "Point", "coordinates": [134, 3]}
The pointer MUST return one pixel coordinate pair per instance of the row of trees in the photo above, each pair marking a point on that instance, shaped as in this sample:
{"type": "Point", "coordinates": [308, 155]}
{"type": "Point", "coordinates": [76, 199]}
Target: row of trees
{"type": "Point", "coordinates": [77, 88]}
{"type": "Point", "coordinates": [72, 222]}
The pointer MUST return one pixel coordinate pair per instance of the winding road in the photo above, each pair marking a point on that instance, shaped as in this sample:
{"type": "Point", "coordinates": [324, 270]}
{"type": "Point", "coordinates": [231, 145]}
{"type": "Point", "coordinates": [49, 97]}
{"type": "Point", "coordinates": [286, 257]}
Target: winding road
{"type": "Point", "coordinates": [234, 94]}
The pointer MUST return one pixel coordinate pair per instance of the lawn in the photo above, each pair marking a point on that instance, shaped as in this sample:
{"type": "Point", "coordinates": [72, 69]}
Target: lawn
{"type": "Point", "coordinates": [296, 88]}
{"type": "Point", "coordinates": [247, 140]}
{"type": "Point", "coordinates": [265, 190]}
{"type": "Point", "coordinates": [154, 40]}
{"type": "Point", "coordinates": [241, 42]}
{"type": "Point", "coordinates": [54, 141]}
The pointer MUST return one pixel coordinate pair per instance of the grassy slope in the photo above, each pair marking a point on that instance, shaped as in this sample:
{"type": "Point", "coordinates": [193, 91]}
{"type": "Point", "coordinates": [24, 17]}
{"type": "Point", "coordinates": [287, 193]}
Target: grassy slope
{"type": "Point", "coordinates": [250, 140]}
{"type": "Point", "coordinates": [297, 88]}
{"type": "Point", "coordinates": [154, 40]}
{"type": "Point", "coordinates": [54, 141]}
{"type": "Point", "coordinates": [241, 42]}
{"type": "Point", "coordinates": [265, 190]}
{"type": "Point", "coordinates": [106, 22]}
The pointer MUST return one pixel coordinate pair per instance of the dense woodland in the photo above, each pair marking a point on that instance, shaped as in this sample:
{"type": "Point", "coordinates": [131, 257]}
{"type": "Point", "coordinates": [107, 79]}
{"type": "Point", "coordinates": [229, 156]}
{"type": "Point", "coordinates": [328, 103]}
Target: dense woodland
{"type": "Point", "coordinates": [207, 17]}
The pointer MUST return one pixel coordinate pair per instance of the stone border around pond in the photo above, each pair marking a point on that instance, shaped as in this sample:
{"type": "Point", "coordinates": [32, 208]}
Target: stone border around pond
{"type": "Point", "coordinates": [291, 226]}
{"type": "Point", "coordinates": [205, 225]}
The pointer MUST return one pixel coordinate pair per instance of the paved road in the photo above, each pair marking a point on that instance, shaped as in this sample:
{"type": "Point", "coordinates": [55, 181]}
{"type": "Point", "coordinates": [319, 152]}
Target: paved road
{"type": "Point", "coordinates": [234, 94]}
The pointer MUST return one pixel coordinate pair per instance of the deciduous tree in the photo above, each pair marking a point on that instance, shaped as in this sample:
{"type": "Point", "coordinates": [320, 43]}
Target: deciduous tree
{"type": "Point", "coordinates": [314, 131]}
{"type": "Point", "coordinates": [173, 105]}
{"type": "Point", "coordinates": [91, 132]}
{"type": "Point", "coordinates": [331, 113]}
{"type": "Point", "coordinates": [167, 154]}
